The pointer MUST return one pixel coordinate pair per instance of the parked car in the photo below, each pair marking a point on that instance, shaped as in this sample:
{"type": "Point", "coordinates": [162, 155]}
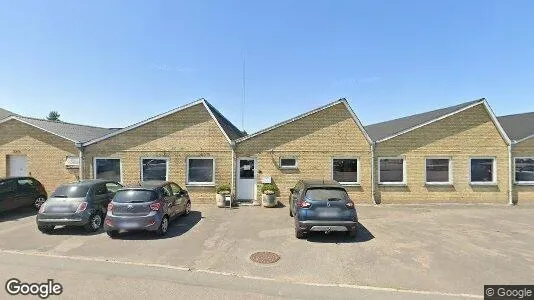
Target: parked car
{"type": "Point", "coordinates": [150, 206]}
{"type": "Point", "coordinates": [81, 203]}
{"type": "Point", "coordinates": [322, 206]}
{"type": "Point", "coordinates": [17, 192]}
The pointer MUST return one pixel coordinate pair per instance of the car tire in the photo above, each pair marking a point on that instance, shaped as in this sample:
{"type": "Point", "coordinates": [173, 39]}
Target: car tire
{"type": "Point", "coordinates": [45, 228]}
{"type": "Point", "coordinates": [96, 220]}
{"type": "Point", "coordinates": [299, 234]}
{"type": "Point", "coordinates": [39, 201]}
{"type": "Point", "coordinates": [112, 233]}
{"type": "Point", "coordinates": [163, 226]}
{"type": "Point", "coordinates": [187, 210]}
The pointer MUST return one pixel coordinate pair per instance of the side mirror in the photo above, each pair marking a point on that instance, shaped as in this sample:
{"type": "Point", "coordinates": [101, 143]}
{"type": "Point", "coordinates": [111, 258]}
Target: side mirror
{"type": "Point", "coordinates": [291, 190]}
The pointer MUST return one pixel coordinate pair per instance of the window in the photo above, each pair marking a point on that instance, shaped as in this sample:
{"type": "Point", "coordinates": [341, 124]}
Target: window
{"type": "Point", "coordinates": [176, 189]}
{"type": "Point", "coordinates": [71, 191]}
{"type": "Point", "coordinates": [288, 162]}
{"type": "Point", "coordinates": [392, 171]}
{"type": "Point", "coordinates": [483, 171]}
{"type": "Point", "coordinates": [438, 171]}
{"type": "Point", "coordinates": [130, 196]}
{"type": "Point", "coordinates": [7, 186]}
{"type": "Point", "coordinates": [167, 191]}
{"type": "Point", "coordinates": [113, 187]}
{"type": "Point", "coordinates": [26, 183]}
{"type": "Point", "coordinates": [345, 170]}
{"type": "Point", "coordinates": [154, 169]}
{"type": "Point", "coordinates": [325, 194]}
{"type": "Point", "coordinates": [524, 170]}
{"type": "Point", "coordinates": [200, 171]}
{"type": "Point", "coordinates": [108, 169]}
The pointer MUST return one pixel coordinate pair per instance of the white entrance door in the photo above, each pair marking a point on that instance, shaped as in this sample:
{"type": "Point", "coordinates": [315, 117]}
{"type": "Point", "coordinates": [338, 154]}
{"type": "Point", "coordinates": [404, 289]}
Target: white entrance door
{"type": "Point", "coordinates": [246, 179]}
{"type": "Point", "coordinates": [18, 165]}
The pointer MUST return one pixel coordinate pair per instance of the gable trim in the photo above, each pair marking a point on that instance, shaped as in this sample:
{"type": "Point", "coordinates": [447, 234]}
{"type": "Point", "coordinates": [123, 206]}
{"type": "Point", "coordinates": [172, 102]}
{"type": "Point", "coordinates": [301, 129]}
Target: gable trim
{"type": "Point", "coordinates": [309, 113]}
{"type": "Point", "coordinates": [481, 101]}
{"type": "Point", "coordinates": [523, 139]}
{"type": "Point", "coordinates": [35, 126]}
{"type": "Point", "coordinates": [157, 117]}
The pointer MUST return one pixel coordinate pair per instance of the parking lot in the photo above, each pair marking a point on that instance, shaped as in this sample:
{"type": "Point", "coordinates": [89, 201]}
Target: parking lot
{"type": "Point", "coordinates": [445, 248]}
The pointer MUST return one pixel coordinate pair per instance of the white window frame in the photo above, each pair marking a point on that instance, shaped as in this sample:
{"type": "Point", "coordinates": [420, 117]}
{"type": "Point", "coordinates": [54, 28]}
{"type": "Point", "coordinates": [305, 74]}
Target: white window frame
{"type": "Point", "coordinates": [493, 175]}
{"type": "Point", "coordinates": [522, 182]}
{"type": "Point", "coordinates": [404, 171]}
{"type": "Point", "coordinates": [154, 157]}
{"type": "Point", "coordinates": [296, 166]}
{"type": "Point", "coordinates": [188, 182]}
{"type": "Point", "coordinates": [451, 180]}
{"type": "Point", "coordinates": [357, 182]}
{"type": "Point", "coordinates": [104, 157]}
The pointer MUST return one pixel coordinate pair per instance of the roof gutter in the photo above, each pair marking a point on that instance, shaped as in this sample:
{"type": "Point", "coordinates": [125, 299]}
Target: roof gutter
{"type": "Point", "coordinates": [373, 197]}
{"type": "Point", "coordinates": [80, 147]}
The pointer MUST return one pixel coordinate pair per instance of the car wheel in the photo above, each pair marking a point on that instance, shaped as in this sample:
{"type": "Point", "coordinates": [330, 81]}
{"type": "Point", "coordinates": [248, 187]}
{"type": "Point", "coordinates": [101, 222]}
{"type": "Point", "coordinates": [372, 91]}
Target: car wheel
{"type": "Point", "coordinates": [95, 222]}
{"type": "Point", "coordinates": [45, 228]}
{"type": "Point", "coordinates": [39, 201]}
{"type": "Point", "coordinates": [299, 234]}
{"type": "Point", "coordinates": [112, 233]}
{"type": "Point", "coordinates": [163, 227]}
{"type": "Point", "coordinates": [187, 208]}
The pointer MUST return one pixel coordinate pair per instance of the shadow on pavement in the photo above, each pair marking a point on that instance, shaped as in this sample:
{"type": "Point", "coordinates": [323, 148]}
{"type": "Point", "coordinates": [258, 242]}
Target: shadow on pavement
{"type": "Point", "coordinates": [177, 227]}
{"type": "Point", "coordinates": [73, 230]}
{"type": "Point", "coordinates": [363, 235]}
{"type": "Point", "coordinates": [18, 213]}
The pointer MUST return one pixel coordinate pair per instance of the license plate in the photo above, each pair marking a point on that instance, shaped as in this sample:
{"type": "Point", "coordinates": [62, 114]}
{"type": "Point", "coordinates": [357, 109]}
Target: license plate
{"type": "Point", "coordinates": [130, 225]}
{"type": "Point", "coordinates": [59, 209]}
{"type": "Point", "coordinates": [327, 214]}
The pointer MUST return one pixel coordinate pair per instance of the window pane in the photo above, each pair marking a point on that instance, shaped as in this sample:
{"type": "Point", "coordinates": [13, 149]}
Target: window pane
{"type": "Point", "coordinates": [71, 191]}
{"type": "Point", "coordinates": [112, 187]}
{"type": "Point", "coordinates": [323, 194]}
{"type": "Point", "coordinates": [288, 162]}
{"type": "Point", "coordinates": [482, 170]}
{"type": "Point", "coordinates": [154, 169]}
{"type": "Point", "coordinates": [391, 170]}
{"type": "Point", "coordinates": [524, 169]}
{"type": "Point", "coordinates": [109, 169]}
{"type": "Point", "coordinates": [437, 170]}
{"type": "Point", "coordinates": [200, 170]}
{"type": "Point", "coordinates": [246, 169]}
{"type": "Point", "coordinates": [345, 170]}
{"type": "Point", "coordinates": [128, 196]}
{"type": "Point", "coordinates": [7, 186]}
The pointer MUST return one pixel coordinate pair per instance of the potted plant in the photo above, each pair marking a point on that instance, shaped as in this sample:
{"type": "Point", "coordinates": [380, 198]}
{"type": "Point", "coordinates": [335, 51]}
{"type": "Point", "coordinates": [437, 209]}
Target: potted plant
{"type": "Point", "coordinates": [268, 197]}
{"type": "Point", "coordinates": [223, 190]}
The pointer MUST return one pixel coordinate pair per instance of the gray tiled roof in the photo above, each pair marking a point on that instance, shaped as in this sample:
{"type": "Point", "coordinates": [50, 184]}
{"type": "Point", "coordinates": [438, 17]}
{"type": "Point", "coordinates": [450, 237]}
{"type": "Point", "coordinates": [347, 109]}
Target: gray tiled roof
{"type": "Point", "coordinates": [230, 129]}
{"type": "Point", "coordinates": [5, 113]}
{"type": "Point", "coordinates": [74, 132]}
{"type": "Point", "coordinates": [386, 129]}
{"type": "Point", "coordinates": [518, 126]}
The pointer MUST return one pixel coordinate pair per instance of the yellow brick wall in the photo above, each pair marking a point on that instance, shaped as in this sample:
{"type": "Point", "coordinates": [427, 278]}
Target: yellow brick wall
{"type": "Point", "coordinates": [191, 132]}
{"type": "Point", "coordinates": [523, 193]}
{"type": "Point", "coordinates": [46, 153]}
{"type": "Point", "coordinates": [314, 140]}
{"type": "Point", "coordinates": [467, 134]}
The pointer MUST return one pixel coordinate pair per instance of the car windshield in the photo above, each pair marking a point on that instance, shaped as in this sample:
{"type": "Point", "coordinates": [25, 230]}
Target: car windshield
{"type": "Point", "coordinates": [71, 191]}
{"type": "Point", "coordinates": [323, 194]}
{"type": "Point", "coordinates": [133, 196]}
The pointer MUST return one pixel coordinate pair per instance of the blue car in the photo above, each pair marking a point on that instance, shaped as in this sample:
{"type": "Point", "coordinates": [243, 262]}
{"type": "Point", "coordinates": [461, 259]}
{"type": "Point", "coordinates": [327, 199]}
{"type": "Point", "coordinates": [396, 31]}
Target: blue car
{"type": "Point", "coordinates": [322, 206]}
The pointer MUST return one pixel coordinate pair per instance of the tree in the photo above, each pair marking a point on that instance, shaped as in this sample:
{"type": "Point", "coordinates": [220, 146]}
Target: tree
{"type": "Point", "coordinates": [53, 116]}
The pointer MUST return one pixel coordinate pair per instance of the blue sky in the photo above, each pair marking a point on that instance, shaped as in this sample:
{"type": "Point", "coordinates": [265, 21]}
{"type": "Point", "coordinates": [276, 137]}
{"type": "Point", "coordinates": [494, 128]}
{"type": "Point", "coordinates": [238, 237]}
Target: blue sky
{"type": "Point", "coordinates": [113, 63]}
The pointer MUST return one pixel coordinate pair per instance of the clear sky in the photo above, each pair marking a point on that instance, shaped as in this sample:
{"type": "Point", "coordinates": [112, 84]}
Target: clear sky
{"type": "Point", "coordinates": [113, 63]}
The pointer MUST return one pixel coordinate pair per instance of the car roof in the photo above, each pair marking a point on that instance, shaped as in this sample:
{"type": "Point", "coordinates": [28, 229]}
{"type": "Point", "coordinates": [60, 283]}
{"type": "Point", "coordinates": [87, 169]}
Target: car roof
{"type": "Point", "coordinates": [16, 177]}
{"type": "Point", "coordinates": [88, 182]}
{"type": "Point", "coordinates": [147, 185]}
{"type": "Point", "coordinates": [321, 183]}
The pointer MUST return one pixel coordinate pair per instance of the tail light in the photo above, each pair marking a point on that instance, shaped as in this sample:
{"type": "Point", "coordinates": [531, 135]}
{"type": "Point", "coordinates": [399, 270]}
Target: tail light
{"type": "Point", "coordinates": [108, 222]}
{"type": "Point", "coordinates": [42, 208]}
{"type": "Point", "coordinates": [303, 204]}
{"type": "Point", "coordinates": [155, 206]}
{"type": "Point", "coordinates": [82, 207]}
{"type": "Point", "coordinates": [349, 204]}
{"type": "Point", "coordinates": [110, 206]}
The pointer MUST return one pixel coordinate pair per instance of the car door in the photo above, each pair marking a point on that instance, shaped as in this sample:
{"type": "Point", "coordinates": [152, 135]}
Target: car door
{"type": "Point", "coordinates": [25, 193]}
{"type": "Point", "coordinates": [7, 194]}
{"type": "Point", "coordinates": [170, 201]}
{"type": "Point", "coordinates": [180, 197]}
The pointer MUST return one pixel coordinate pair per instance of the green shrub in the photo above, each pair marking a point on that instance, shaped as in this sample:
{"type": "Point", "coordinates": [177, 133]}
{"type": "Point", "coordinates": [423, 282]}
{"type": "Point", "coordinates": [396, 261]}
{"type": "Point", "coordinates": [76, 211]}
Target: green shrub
{"type": "Point", "coordinates": [269, 189]}
{"type": "Point", "coordinates": [223, 189]}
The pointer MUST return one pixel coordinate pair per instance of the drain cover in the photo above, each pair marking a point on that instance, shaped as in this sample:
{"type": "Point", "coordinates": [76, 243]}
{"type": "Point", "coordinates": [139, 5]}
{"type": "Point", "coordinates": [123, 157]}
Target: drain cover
{"type": "Point", "coordinates": [265, 257]}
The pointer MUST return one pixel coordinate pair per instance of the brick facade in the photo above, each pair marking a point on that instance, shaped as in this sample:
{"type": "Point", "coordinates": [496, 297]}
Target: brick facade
{"type": "Point", "coordinates": [470, 133]}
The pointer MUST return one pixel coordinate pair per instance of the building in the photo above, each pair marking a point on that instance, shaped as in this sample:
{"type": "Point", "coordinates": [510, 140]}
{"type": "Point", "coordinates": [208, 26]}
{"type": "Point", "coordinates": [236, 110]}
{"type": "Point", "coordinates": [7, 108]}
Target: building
{"type": "Point", "coordinates": [328, 142]}
{"type": "Point", "coordinates": [457, 154]}
{"type": "Point", "coordinates": [43, 149]}
{"type": "Point", "coordinates": [520, 129]}
{"type": "Point", "coordinates": [191, 145]}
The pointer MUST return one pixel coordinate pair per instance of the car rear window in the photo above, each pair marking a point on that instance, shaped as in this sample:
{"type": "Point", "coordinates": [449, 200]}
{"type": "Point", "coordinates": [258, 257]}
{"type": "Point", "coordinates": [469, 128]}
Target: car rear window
{"type": "Point", "coordinates": [323, 194]}
{"type": "Point", "coordinates": [130, 196]}
{"type": "Point", "coordinates": [71, 191]}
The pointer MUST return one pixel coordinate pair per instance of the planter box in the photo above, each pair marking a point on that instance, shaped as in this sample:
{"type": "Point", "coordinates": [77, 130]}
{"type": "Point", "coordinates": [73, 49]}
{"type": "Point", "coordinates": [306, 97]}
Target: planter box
{"type": "Point", "coordinates": [269, 200]}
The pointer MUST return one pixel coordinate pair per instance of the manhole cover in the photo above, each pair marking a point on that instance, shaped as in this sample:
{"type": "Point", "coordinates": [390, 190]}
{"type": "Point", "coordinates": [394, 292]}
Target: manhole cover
{"type": "Point", "coordinates": [265, 257]}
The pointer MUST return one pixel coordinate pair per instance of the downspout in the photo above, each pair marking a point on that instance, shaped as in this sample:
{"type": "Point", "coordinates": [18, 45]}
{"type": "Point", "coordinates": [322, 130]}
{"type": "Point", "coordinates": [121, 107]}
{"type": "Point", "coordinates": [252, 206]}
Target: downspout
{"type": "Point", "coordinates": [80, 157]}
{"type": "Point", "coordinates": [232, 182]}
{"type": "Point", "coordinates": [510, 175]}
{"type": "Point", "coordinates": [373, 172]}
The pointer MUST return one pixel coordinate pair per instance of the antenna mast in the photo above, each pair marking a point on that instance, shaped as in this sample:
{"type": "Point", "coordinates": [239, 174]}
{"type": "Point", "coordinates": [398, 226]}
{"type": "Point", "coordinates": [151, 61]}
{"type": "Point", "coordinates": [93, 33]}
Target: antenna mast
{"type": "Point", "coordinates": [244, 97]}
